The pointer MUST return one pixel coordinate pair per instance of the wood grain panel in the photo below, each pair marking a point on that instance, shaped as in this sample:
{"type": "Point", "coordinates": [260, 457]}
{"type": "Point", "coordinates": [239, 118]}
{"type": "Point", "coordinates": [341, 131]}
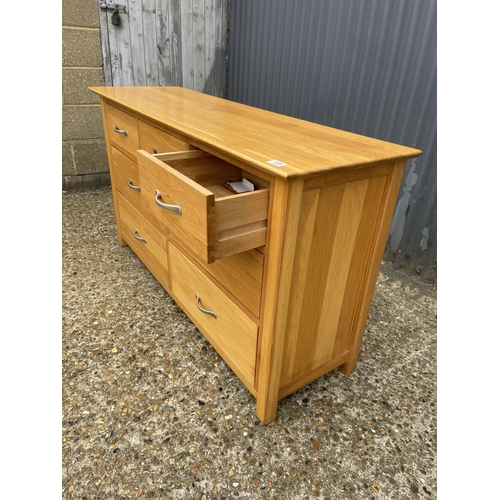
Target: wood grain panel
{"type": "Point", "coordinates": [170, 41]}
{"type": "Point", "coordinates": [240, 239]}
{"type": "Point", "coordinates": [243, 133]}
{"type": "Point", "coordinates": [281, 238]}
{"type": "Point", "coordinates": [152, 251]}
{"type": "Point", "coordinates": [241, 275]}
{"type": "Point", "coordinates": [167, 42]}
{"type": "Point", "coordinates": [118, 119]}
{"type": "Point", "coordinates": [369, 264]}
{"type": "Point", "coordinates": [109, 153]}
{"type": "Point", "coordinates": [313, 374]}
{"type": "Point", "coordinates": [203, 168]}
{"type": "Point", "coordinates": [328, 242]}
{"type": "Point", "coordinates": [315, 282]}
{"type": "Point", "coordinates": [197, 203]}
{"type": "Point", "coordinates": [356, 279]}
{"type": "Point", "coordinates": [238, 210]}
{"type": "Point", "coordinates": [232, 333]}
{"type": "Point", "coordinates": [151, 52]}
{"type": "Point", "coordinates": [154, 140]}
{"type": "Point", "coordinates": [134, 32]}
{"type": "Point", "coordinates": [126, 171]}
{"type": "Point", "coordinates": [304, 245]}
{"type": "Point", "coordinates": [338, 269]}
{"type": "Point", "coordinates": [345, 175]}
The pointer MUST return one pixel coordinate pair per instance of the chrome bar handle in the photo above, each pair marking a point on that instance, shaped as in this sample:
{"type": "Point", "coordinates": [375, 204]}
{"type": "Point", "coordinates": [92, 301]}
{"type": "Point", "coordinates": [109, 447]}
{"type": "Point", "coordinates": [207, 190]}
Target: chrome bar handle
{"type": "Point", "coordinates": [173, 208]}
{"type": "Point", "coordinates": [119, 131]}
{"type": "Point", "coordinates": [131, 185]}
{"type": "Point", "coordinates": [138, 237]}
{"type": "Point", "coordinates": [206, 311]}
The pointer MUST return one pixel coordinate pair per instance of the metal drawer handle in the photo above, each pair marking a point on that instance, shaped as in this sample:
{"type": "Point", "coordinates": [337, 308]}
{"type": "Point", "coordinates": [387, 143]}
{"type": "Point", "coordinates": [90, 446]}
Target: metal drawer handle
{"type": "Point", "coordinates": [173, 208]}
{"type": "Point", "coordinates": [138, 237]}
{"type": "Point", "coordinates": [131, 185]}
{"type": "Point", "coordinates": [206, 311]}
{"type": "Point", "coordinates": [119, 131]}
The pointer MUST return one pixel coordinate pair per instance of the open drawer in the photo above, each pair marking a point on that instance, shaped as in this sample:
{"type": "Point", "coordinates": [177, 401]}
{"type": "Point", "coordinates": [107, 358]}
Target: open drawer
{"type": "Point", "coordinates": [188, 192]}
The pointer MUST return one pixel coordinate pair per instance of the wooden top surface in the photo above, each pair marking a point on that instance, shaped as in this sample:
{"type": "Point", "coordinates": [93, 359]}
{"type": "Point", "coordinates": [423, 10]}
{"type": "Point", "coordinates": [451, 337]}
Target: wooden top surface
{"type": "Point", "coordinates": [253, 135]}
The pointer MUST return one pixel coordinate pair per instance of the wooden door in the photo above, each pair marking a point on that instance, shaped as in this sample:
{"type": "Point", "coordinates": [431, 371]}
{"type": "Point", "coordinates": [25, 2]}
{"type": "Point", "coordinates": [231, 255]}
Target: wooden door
{"type": "Point", "coordinates": [166, 42]}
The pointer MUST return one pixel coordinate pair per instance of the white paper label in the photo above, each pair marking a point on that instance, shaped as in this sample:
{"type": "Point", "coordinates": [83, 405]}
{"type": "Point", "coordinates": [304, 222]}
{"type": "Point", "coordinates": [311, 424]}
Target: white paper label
{"type": "Point", "coordinates": [276, 163]}
{"type": "Point", "coordinates": [242, 187]}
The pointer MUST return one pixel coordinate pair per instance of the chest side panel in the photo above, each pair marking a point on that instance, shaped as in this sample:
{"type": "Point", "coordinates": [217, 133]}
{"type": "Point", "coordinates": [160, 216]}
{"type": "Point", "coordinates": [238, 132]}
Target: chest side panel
{"type": "Point", "coordinates": [338, 227]}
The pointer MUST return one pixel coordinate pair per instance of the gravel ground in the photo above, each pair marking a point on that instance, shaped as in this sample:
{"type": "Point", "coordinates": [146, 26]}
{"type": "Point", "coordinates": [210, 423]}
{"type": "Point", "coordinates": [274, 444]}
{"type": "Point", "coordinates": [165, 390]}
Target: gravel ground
{"type": "Point", "coordinates": [151, 411]}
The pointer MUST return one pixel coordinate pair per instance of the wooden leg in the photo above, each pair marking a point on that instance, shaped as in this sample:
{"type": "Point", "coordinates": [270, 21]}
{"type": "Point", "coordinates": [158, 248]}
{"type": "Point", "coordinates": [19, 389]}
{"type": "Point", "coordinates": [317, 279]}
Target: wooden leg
{"type": "Point", "coordinates": [348, 367]}
{"type": "Point", "coordinates": [122, 242]}
{"type": "Point", "coordinates": [266, 409]}
{"type": "Point", "coordinates": [282, 232]}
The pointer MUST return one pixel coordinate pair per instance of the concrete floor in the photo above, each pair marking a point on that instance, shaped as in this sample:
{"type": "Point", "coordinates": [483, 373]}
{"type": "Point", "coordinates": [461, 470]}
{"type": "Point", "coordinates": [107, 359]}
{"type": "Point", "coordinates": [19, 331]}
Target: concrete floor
{"type": "Point", "coordinates": [151, 411]}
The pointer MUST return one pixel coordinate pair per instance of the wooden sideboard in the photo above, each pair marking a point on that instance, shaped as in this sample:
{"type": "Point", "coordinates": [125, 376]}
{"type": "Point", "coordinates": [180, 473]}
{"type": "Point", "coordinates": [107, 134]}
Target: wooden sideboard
{"type": "Point", "coordinates": [279, 278]}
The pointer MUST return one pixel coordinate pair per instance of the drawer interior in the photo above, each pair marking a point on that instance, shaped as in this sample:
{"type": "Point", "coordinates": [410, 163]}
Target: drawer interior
{"type": "Point", "coordinates": [210, 172]}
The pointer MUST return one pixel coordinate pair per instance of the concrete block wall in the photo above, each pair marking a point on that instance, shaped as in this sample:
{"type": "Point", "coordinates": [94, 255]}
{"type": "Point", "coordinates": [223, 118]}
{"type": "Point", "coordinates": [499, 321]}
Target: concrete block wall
{"type": "Point", "coordinates": [84, 160]}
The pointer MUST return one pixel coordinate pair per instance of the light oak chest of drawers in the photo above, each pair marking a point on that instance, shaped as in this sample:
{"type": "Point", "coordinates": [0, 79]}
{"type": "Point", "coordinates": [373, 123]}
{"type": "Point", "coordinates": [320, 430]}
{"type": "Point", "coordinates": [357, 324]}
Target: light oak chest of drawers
{"type": "Point", "coordinates": [278, 279]}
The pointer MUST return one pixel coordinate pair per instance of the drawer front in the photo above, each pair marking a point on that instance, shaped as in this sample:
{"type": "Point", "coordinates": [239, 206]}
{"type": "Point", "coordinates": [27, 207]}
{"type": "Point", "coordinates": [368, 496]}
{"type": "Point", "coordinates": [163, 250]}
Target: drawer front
{"type": "Point", "coordinates": [186, 192]}
{"type": "Point", "coordinates": [121, 128]}
{"type": "Point", "coordinates": [241, 274]}
{"type": "Point", "coordinates": [154, 140]}
{"type": "Point", "coordinates": [232, 333]}
{"type": "Point", "coordinates": [147, 243]}
{"type": "Point", "coordinates": [125, 177]}
{"type": "Point", "coordinates": [190, 209]}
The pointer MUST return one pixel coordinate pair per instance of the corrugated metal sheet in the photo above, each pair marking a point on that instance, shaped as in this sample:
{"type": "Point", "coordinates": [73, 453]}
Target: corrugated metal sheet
{"type": "Point", "coordinates": [167, 42]}
{"type": "Point", "coordinates": [367, 67]}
